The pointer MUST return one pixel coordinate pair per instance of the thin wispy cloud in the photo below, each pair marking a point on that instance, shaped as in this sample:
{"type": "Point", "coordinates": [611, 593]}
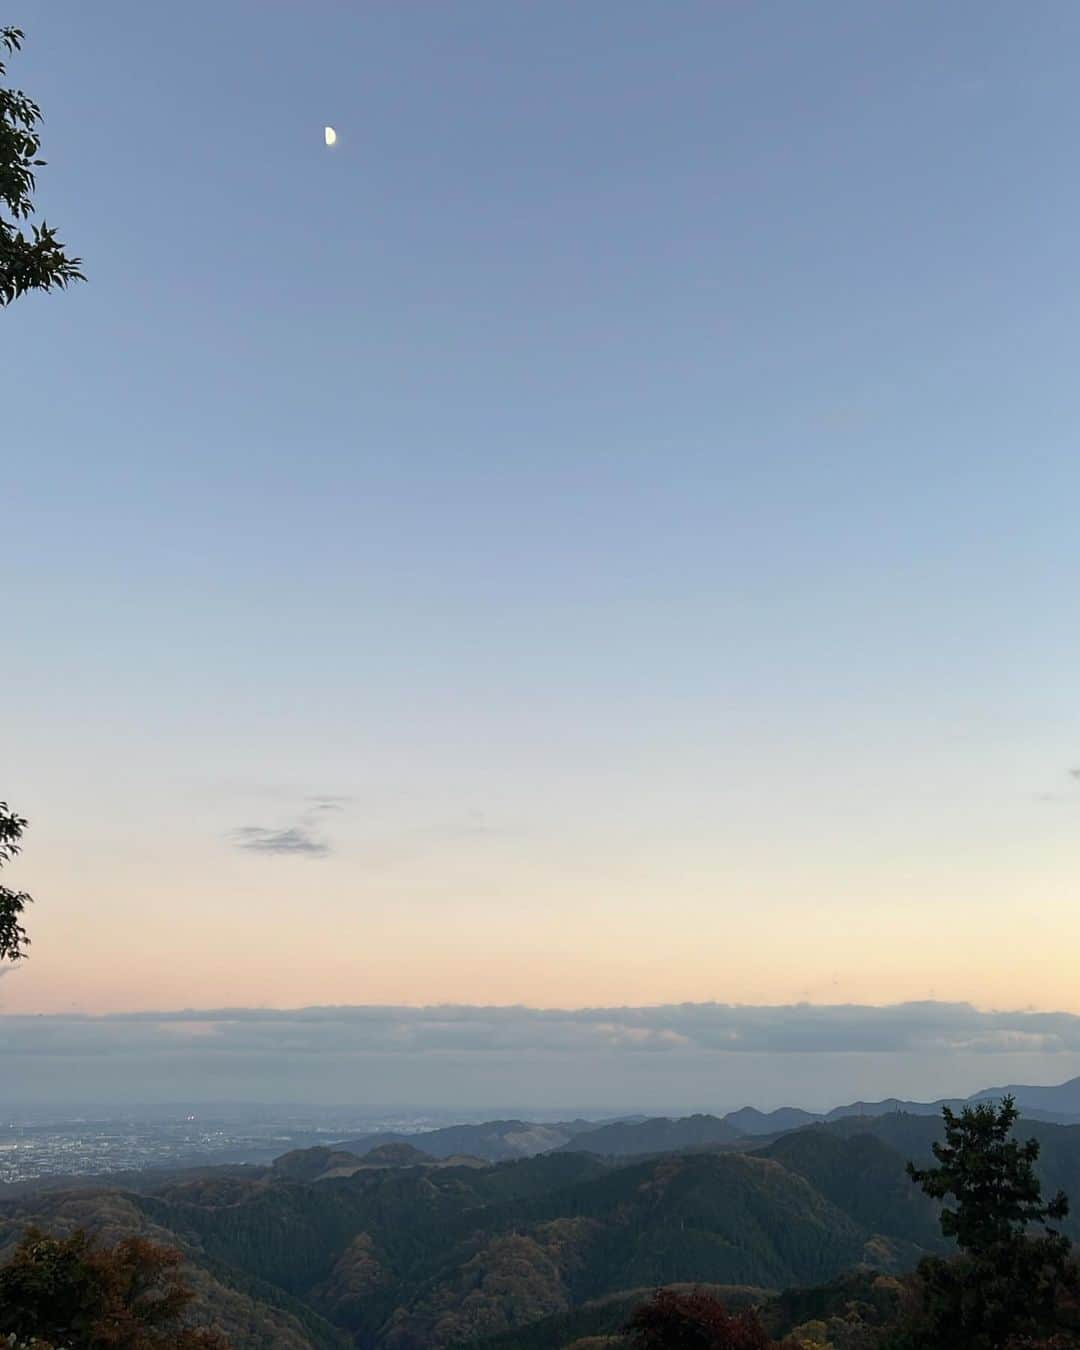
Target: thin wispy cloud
{"type": "Point", "coordinates": [294, 840]}
{"type": "Point", "coordinates": [302, 836]}
{"type": "Point", "coordinates": [328, 802]}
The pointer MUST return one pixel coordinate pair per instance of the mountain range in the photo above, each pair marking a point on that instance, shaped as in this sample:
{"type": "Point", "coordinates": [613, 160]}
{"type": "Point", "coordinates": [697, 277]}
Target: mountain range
{"type": "Point", "coordinates": [423, 1242]}
{"type": "Point", "coordinates": [500, 1140]}
{"type": "Point", "coordinates": [513, 1234]}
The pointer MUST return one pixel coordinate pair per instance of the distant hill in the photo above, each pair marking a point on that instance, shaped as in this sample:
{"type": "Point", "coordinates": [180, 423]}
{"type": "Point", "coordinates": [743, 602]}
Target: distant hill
{"type": "Point", "coordinates": [1058, 1105]}
{"type": "Point", "coordinates": [502, 1140]}
{"type": "Point", "coordinates": [320, 1164]}
{"type": "Point", "coordinates": [396, 1155]}
{"type": "Point", "coordinates": [751, 1121]}
{"type": "Point", "coordinates": [308, 1164]}
{"type": "Point", "coordinates": [660, 1135]}
{"type": "Point", "coordinates": [893, 1105]}
{"type": "Point", "coordinates": [1060, 1101]}
{"type": "Point", "coordinates": [493, 1140]}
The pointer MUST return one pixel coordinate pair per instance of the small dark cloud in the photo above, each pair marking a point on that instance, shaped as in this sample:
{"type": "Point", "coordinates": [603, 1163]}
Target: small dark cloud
{"type": "Point", "coordinates": [1075, 773]}
{"type": "Point", "coordinates": [294, 839]}
{"type": "Point", "coordinates": [320, 805]}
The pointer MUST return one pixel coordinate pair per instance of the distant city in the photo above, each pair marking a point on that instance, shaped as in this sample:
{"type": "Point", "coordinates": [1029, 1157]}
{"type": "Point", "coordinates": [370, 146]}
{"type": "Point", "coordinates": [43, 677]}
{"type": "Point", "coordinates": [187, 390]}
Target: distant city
{"type": "Point", "coordinates": [87, 1141]}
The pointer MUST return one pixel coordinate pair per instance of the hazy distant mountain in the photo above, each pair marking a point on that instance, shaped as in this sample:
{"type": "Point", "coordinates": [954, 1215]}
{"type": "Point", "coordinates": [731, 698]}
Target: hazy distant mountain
{"type": "Point", "coordinates": [891, 1105]}
{"type": "Point", "coordinates": [501, 1140]}
{"type": "Point", "coordinates": [1062, 1100]}
{"type": "Point", "coordinates": [752, 1121]}
{"type": "Point", "coordinates": [623, 1138]}
{"type": "Point", "coordinates": [1058, 1105]}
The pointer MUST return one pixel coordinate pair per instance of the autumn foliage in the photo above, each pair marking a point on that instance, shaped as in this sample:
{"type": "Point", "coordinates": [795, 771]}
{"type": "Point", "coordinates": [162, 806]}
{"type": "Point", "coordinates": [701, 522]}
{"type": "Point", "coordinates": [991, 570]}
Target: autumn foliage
{"type": "Point", "coordinates": [695, 1320]}
{"type": "Point", "coordinates": [69, 1292]}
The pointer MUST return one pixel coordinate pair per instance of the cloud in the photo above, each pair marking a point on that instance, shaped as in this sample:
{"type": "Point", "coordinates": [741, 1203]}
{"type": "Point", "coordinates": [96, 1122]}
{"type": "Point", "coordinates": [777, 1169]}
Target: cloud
{"type": "Point", "coordinates": [327, 802]}
{"type": "Point", "coordinates": [302, 835]}
{"type": "Point", "coordinates": [294, 839]}
{"type": "Point", "coordinates": [675, 1057]}
{"type": "Point", "coordinates": [703, 1030]}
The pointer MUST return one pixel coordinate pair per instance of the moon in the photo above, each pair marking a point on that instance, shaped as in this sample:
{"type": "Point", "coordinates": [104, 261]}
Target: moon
{"type": "Point", "coordinates": [329, 135]}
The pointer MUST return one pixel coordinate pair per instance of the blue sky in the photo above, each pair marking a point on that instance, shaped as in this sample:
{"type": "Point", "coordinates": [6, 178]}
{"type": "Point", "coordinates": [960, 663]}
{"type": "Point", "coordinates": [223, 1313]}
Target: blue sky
{"type": "Point", "coordinates": [617, 506]}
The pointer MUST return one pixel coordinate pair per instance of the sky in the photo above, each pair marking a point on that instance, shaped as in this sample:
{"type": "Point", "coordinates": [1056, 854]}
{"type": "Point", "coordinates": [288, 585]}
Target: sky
{"type": "Point", "coordinates": [601, 535]}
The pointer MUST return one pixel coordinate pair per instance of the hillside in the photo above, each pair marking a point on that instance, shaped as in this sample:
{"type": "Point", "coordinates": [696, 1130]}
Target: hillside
{"type": "Point", "coordinates": [865, 1177]}
{"type": "Point", "coordinates": [912, 1136]}
{"type": "Point", "coordinates": [606, 1317]}
{"type": "Point", "coordinates": [750, 1121]}
{"type": "Point", "coordinates": [409, 1253]}
{"type": "Point", "coordinates": [859, 1301]}
{"type": "Point", "coordinates": [395, 1249]}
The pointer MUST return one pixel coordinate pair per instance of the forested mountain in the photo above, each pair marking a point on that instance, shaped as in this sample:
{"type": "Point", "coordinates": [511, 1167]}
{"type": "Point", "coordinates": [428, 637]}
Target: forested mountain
{"type": "Point", "coordinates": [912, 1137]}
{"type": "Point", "coordinates": [865, 1177]}
{"type": "Point", "coordinates": [395, 1249]}
{"type": "Point", "coordinates": [419, 1254]}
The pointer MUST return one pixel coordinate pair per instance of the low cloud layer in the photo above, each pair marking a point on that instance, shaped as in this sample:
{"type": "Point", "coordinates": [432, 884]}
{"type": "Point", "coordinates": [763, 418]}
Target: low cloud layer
{"type": "Point", "coordinates": [665, 1059]}
{"type": "Point", "coordinates": [925, 1028]}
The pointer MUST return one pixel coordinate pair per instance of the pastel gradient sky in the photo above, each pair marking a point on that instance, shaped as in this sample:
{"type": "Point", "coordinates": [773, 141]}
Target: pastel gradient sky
{"type": "Point", "coordinates": [605, 533]}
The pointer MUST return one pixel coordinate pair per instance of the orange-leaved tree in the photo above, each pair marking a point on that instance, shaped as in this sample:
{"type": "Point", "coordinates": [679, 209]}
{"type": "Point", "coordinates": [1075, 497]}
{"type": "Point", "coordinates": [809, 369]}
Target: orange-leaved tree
{"type": "Point", "coordinates": [70, 1292]}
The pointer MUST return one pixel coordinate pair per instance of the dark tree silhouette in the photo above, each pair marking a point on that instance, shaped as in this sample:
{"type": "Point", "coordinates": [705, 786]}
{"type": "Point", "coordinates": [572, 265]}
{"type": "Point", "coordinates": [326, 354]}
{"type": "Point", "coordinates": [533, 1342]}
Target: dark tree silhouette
{"type": "Point", "coordinates": [13, 939]}
{"type": "Point", "coordinates": [34, 261]}
{"type": "Point", "coordinates": [1013, 1268]}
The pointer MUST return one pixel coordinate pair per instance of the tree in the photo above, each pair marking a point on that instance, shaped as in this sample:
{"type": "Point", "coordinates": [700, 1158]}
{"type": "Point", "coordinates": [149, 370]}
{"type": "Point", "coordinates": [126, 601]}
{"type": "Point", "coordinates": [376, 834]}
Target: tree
{"type": "Point", "coordinates": [672, 1320]}
{"type": "Point", "coordinates": [36, 261]}
{"type": "Point", "coordinates": [69, 1292]}
{"type": "Point", "coordinates": [1013, 1265]}
{"type": "Point", "coordinates": [13, 939]}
